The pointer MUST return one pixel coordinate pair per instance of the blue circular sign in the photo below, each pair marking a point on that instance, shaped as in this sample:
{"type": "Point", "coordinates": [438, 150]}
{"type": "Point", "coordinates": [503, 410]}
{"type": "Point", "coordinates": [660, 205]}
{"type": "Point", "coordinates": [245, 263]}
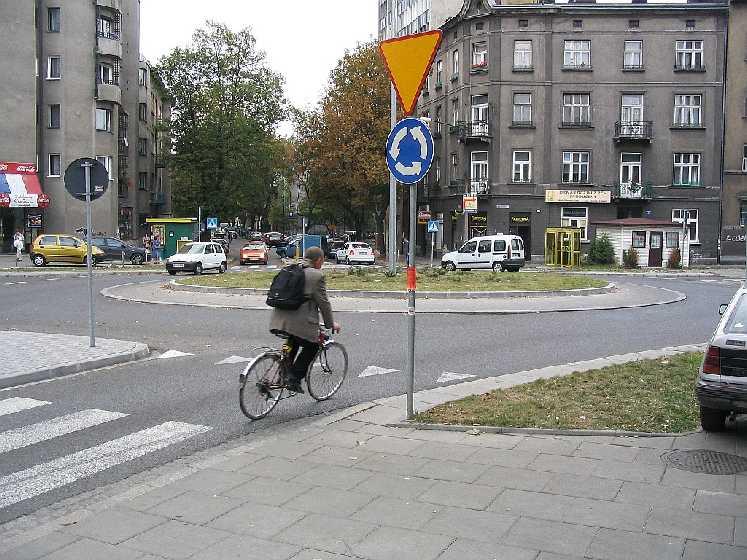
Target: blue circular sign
{"type": "Point", "coordinates": [409, 150]}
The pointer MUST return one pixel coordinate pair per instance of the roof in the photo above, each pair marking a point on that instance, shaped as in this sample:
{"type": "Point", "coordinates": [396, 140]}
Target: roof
{"type": "Point", "coordinates": [637, 222]}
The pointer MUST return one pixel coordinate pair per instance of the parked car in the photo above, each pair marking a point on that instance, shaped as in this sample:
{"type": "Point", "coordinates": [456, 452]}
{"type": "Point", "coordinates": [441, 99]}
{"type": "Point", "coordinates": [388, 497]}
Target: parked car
{"type": "Point", "coordinates": [355, 252]}
{"type": "Point", "coordinates": [50, 247]}
{"type": "Point", "coordinates": [197, 257]}
{"type": "Point", "coordinates": [254, 252]}
{"type": "Point", "coordinates": [114, 249]}
{"type": "Point", "coordinates": [224, 239]}
{"type": "Point", "coordinates": [721, 388]}
{"type": "Point", "coordinates": [496, 252]}
{"type": "Point", "coordinates": [332, 247]}
{"type": "Point", "coordinates": [254, 236]}
{"type": "Point", "coordinates": [274, 238]}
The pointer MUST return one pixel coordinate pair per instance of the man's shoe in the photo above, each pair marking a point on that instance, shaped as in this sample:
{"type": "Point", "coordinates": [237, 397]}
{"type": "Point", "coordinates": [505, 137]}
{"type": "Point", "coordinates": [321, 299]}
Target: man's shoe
{"type": "Point", "coordinates": [294, 386]}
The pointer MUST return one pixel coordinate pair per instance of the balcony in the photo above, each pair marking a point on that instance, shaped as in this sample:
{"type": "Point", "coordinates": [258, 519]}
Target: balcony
{"type": "Point", "coordinates": [479, 68]}
{"type": "Point", "coordinates": [109, 46]}
{"type": "Point", "coordinates": [633, 191]}
{"type": "Point", "coordinates": [634, 131]}
{"type": "Point", "coordinates": [457, 128]}
{"type": "Point", "coordinates": [157, 198]}
{"type": "Point", "coordinates": [479, 186]}
{"type": "Point", "coordinates": [109, 92]}
{"type": "Point", "coordinates": [475, 131]}
{"type": "Point", "coordinates": [113, 4]}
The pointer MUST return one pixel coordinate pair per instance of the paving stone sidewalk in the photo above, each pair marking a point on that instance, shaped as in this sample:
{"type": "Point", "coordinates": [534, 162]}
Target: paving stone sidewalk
{"type": "Point", "coordinates": [31, 356]}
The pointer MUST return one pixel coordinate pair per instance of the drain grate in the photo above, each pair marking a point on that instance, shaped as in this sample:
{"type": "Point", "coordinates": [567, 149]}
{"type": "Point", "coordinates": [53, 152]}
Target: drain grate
{"type": "Point", "coordinates": [706, 461]}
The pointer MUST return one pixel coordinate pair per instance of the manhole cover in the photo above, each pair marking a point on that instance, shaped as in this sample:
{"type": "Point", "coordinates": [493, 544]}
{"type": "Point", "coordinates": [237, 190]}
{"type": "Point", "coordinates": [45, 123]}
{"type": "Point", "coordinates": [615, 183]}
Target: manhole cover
{"type": "Point", "coordinates": [705, 461]}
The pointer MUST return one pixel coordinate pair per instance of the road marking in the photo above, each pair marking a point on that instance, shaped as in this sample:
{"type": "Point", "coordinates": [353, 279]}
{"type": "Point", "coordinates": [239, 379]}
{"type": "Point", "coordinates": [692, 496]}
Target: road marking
{"type": "Point", "coordinates": [271, 267]}
{"type": "Point", "coordinates": [233, 360]}
{"type": "Point", "coordinates": [370, 371]}
{"type": "Point", "coordinates": [17, 404]}
{"type": "Point", "coordinates": [21, 282]}
{"type": "Point", "coordinates": [52, 279]}
{"type": "Point", "coordinates": [56, 427]}
{"type": "Point", "coordinates": [448, 376]}
{"type": "Point", "coordinates": [42, 478]}
{"type": "Point", "coordinates": [9, 283]}
{"type": "Point", "coordinates": [173, 354]}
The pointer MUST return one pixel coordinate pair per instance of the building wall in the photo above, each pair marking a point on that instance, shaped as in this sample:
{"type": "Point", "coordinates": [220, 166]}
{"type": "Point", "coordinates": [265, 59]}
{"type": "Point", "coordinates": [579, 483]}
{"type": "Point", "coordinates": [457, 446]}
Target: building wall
{"type": "Point", "coordinates": [414, 16]}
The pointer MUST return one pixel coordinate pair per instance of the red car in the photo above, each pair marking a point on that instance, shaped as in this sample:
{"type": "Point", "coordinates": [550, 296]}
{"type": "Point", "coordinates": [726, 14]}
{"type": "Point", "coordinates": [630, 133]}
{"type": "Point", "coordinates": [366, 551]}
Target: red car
{"type": "Point", "coordinates": [255, 252]}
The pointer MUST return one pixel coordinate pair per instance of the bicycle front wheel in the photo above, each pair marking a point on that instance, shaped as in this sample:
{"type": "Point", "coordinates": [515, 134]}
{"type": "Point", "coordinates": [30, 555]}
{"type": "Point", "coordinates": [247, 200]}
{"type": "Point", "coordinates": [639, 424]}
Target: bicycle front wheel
{"type": "Point", "coordinates": [327, 375]}
{"type": "Point", "coordinates": [261, 387]}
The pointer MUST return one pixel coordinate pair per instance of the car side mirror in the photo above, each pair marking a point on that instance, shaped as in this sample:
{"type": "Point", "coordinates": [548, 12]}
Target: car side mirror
{"type": "Point", "coordinates": [722, 308]}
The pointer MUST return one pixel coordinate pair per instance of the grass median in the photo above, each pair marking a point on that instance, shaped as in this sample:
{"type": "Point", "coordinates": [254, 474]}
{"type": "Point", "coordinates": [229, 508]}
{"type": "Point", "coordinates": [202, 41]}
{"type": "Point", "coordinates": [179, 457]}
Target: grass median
{"type": "Point", "coordinates": [644, 396]}
{"type": "Point", "coordinates": [431, 280]}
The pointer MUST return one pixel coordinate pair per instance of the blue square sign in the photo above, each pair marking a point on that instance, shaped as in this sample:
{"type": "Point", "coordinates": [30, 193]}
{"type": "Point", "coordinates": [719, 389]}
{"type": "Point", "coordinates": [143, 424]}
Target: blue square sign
{"type": "Point", "coordinates": [212, 223]}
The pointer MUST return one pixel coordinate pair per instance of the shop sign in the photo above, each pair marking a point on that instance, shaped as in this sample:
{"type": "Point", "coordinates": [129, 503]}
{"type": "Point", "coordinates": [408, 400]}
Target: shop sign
{"type": "Point", "coordinates": [423, 217]}
{"type": "Point", "coordinates": [591, 197]}
{"type": "Point", "coordinates": [469, 203]}
{"type": "Point", "coordinates": [34, 221]}
{"type": "Point", "coordinates": [732, 240]}
{"type": "Point", "coordinates": [478, 224]}
{"type": "Point", "coordinates": [520, 218]}
{"type": "Point", "coordinates": [503, 206]}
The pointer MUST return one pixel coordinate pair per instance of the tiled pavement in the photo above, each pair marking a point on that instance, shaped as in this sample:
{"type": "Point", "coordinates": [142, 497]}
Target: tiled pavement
{"type": "Point", "coordinates": [350, 487]}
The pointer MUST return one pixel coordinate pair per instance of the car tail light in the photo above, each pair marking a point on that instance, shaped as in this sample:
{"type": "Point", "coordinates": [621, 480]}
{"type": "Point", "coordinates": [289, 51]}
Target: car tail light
{"type": "Point", "coordinates": [351, 252]}
{"type": "Point", "coordinates": [712, 363]}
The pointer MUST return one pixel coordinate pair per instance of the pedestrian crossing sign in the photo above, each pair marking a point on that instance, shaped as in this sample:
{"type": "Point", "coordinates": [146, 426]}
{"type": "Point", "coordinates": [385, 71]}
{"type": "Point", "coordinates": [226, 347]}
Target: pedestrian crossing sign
{"type": "Point", "coordinates": [432, 226]}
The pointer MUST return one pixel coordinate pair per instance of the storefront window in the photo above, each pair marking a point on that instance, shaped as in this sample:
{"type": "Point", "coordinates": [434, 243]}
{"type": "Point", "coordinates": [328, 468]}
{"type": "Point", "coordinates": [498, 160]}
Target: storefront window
{"type": "Point", "coordinates": [639, 239]}
{"type": "Point", "coordinates": [673, 240]}
{"type": "Point", "coordinates": [576, 218]}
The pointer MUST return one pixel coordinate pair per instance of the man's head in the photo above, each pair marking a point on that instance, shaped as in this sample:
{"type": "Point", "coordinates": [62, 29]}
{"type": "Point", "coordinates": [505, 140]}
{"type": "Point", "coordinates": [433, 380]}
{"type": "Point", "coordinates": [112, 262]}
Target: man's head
{"type": "Point", "coordinates": [315, 257]}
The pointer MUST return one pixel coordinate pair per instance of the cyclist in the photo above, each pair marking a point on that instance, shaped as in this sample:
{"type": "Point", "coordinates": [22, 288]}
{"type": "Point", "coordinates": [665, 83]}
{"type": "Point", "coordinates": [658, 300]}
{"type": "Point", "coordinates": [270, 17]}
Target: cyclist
{"type": "Point", "coordinates": [301, 326]}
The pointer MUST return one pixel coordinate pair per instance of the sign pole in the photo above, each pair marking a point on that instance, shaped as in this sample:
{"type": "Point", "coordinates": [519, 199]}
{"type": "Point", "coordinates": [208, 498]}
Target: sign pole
{"type": "Point", "coordinates": [89, 258]}
{"type": "Point", "coordinates": [392, 247]}
{"type": "Point", "coordinates": [411, 287]}
{"type": "Point", "coordinates": [433, 242]}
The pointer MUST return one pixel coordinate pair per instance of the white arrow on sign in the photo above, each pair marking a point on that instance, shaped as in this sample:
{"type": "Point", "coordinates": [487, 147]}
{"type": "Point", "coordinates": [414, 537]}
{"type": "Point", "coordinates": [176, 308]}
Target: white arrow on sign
{"type": "Point", "coordinates": [417, 133]}
{"type": "Point", "coordinates": [401, 133]}
{"type": "Point", "coordinates": [413, 169]}
{"type": "Point", "coordinates": [370, 371]}
{"type": "Point", "coordinates": [448, 376]}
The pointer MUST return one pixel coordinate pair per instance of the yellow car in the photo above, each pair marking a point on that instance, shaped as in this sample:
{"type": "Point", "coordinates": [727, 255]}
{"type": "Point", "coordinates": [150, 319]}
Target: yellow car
{"type": "Point", "coordinates": [50, 247]}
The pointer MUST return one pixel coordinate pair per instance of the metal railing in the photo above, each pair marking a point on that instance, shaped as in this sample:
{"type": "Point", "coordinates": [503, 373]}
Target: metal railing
{"type": "Point", "coordinates": [633, 191]}
{"type": "Point", "coordinates": [634, 130]}
{"type": "Point", "coordinates": [476, 129]}
{"type": "Point", "coordinates": [479, 186]}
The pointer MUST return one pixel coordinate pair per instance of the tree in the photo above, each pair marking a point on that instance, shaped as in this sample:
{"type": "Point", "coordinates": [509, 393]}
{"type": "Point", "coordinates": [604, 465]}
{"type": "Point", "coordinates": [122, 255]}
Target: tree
{"type": "Point", "coordinates": [226, 105]}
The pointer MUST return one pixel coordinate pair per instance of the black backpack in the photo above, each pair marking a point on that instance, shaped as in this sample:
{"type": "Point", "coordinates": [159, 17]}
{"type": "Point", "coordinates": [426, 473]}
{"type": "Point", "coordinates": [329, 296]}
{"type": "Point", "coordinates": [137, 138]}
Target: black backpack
{"type": "Point", "coordinates": [287, 288]}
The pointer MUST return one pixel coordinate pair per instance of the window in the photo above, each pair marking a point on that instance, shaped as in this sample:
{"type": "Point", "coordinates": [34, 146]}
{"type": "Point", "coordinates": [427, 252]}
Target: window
{"type": "Point", "coordinates": [689, 55]}
{"type": "Point", "coordinates": [479, 26]}
{"type": "Point", "coordinates": [577, 54]}
{"type": "Point", "coordinates": [672, 240]}
{"type": "Point", "coordinates": [142, 181]}
{"type": "Point", "coordinates": [438, 171]}
{"type": "Point", "coordinates": [522, 166]}
{"type": "Point", "coordinates": [54, 116]}
{"type": "Point", "coordinates": [427, 84]}
{"type": "Point", "coordinates": [576, 218]}
{"type": "Point", "coordinates": [53, 170]}
{"type": "Point", "coordinates": [455, 112]}
{"type": "Point", "coordinates": [67, 241]}
{"type": "Point", "coordinates": [633, 55]}
{"type": "Point", "coordinates": [479, 172]}
{"type": "Point", "coordinates": [479, 55]}
{"type": "Point", "coordinates": [454, 166]}
{"type": "Point", "coordinates": [499, 246]}
{"type": "Point", "coordinates": [686, 169]}
{"type": "Point", "coordinates": [142, 146]}
{"type": "Point", "coordinates": [639, 239]}
{"type": "Point", "coordinates": [48, 240]}
{"type": "Point", "coordinates": [105, 74]}
{"type": "Point", "coordinates": [104, 119]}
{"type": "Point", "coordinates": [679, 215]}
{"type": "Point", "coordinates": [523, 23]}
{"type": "Point", "coordinates": [576, 109]}
{"type": "Point", "coordinates": [106, 161]}
{"type": "Point", "coordinates": [479, 124]}
{"type": "Point", "coordinates": [522, 54]}
{"type": "Point", "coordinates": [438, 120]}
{"type": "Point", "coordinates": [633, 24]}
{"type": "Point", "coordinates": [455, 65]}
{"type": "Point", "coordinates": [575, 167]}
{"type": "Point", "coordinates": [630, 169]}
{"type": "Point", "coordinates": [143, 76]}
{"type": "Point", "coordinates": [522, 113]}
{"type": "Point", "coordinates": [439, 73]}
{"type": "Point", "coordinates": [53, 20]}
{"type": "Point", "coordinates": [689, 24]}
{"type": "Point", "coordinates": [744, 158]}
{"type": "Point", "coordinates": [578, 24]}
{"type": "Point", "coordinates": [142, 110]}
{"type": "Point", "coordinates": [468, 247]}
{"type": "Point", "coordinates": [105, 27]}
{"type": "Point", "coordinates": [687, 110]}
{"type": "Point", "coordinates": [485, 246]}
{"type": "Point", "coordinates": [54, 68]}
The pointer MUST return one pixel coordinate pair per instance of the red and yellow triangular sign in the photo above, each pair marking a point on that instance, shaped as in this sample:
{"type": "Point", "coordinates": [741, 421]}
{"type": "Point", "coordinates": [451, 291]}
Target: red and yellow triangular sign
{"type": "Point", "coordinates": [408, 60]}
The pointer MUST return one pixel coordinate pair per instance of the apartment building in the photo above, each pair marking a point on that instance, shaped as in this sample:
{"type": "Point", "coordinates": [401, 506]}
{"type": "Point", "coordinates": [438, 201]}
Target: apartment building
{"type": "Point", "coordinates": [405, 17]}
{"type": "Point", "coordinates": [75, 93]}
{"type": "Point", "coordinates": [565, 114]}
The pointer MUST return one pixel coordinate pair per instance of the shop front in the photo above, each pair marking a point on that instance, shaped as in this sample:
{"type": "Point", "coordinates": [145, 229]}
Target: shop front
{"type": "Point", "coordinates": [520, 223]}
{"type": "Point", "coordinates": [21, 203]}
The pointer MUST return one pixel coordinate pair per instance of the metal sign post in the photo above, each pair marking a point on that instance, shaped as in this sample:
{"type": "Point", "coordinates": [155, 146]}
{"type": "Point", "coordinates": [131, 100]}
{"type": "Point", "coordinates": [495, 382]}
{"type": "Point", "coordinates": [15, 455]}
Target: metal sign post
{"type": "Point", "coordinates": [411, 287]}
{"type": "Point", "coordinates": [89, 262]}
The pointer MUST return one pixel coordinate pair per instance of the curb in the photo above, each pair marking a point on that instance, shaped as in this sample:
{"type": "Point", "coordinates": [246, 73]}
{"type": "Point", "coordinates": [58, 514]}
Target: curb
{"type": "Point", "coordinates": [533, 431]}
{"type": "Point", "coordinates": [610, 287]}
{"type": "Point", "coordinates": [139, 352]}
{"type": "Point", "coordinates": [68, 272]}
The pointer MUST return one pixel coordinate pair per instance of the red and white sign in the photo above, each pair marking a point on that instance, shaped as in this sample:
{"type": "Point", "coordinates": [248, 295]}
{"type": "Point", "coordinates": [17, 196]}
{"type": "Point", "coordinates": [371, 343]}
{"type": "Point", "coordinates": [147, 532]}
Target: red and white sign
{"type": "Point", "coordinates": [16, 168]}
{"type": "Point", "coordinates": [20, 187]}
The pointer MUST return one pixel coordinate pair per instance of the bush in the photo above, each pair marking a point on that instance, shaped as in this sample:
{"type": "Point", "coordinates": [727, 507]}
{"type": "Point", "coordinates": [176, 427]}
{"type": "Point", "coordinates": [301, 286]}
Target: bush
{"type": "Point", "coordinates": [357, 271]}
{"type": "Point", "coordinates": [601, 250]}
{"type": "Point", "coordinates": [630, 258]}
{"type": "Point", "coordinates": [675, 259]}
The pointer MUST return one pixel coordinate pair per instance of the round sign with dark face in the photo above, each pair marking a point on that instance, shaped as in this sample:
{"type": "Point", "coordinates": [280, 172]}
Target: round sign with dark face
{"type": "Point", "coordinates": [75, 178]}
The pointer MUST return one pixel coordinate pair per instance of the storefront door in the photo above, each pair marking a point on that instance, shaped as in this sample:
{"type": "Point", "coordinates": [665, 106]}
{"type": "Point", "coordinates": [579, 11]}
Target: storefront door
{"type": "Point", "coordinates": [655, 256]}
{"type": "Point", "coordinates": [521, 225]}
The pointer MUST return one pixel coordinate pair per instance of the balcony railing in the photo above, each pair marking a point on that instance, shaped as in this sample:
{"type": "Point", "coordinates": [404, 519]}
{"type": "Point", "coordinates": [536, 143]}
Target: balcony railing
{"type": "Point", "coordinates": [474, 130]}
{"type": "Point", "coordinates": [633, 191]}
{"type": "Point", "coordinates": [634, 130]}
{"type": "Point", "coordinates": [479, 186]}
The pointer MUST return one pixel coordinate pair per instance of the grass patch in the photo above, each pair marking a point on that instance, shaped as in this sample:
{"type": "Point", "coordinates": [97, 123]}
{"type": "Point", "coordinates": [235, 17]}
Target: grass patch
{"type": "Point", "coordinates": [645, 396]}
{"type": "Point", "coordinates": [428, 280]}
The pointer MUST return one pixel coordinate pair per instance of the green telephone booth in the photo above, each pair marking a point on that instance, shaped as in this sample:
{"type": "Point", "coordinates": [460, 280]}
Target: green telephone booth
{"type": "Point", "coordinates": [563, 246]}
{"type": "Point", "coordinates": [174, 232]}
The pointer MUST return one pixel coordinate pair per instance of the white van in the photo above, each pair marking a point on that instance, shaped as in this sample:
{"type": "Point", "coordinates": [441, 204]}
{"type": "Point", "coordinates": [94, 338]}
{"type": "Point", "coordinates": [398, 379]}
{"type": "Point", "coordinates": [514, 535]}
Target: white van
{"type": "Point", "coordinates": [497, 252]}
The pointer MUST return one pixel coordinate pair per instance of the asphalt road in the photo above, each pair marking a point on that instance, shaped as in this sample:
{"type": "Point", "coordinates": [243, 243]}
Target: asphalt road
{"type": "Point", "coordinates": [194, 390]}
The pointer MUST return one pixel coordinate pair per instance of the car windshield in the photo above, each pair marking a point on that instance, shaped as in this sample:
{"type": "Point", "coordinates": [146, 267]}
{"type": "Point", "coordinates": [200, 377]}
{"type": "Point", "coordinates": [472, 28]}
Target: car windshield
{"type": "Point", "coordinates": [254, 246]}
{"type": "Point", "coordinates": [191, 249]}
{"type": "Point", "coordinates": [737, 323]}
{"type": "Point", "coordinates": [360, 246]}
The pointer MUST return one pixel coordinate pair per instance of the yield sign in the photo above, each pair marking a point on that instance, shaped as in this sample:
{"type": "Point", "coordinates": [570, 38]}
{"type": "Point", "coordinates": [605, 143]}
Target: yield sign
{"type": "Point", "coordinates": [408, 60]}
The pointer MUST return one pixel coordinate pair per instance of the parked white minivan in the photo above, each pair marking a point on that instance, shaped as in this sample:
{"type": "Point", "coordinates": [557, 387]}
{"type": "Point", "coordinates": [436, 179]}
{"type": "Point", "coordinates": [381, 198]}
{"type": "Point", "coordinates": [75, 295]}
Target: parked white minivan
{"type": "Point", "coordinates": [497, 252]}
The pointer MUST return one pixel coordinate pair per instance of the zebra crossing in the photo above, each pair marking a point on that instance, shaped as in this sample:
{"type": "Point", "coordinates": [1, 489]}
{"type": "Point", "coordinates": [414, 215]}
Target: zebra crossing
{"type": "Point", "coordinates": [41, 478]}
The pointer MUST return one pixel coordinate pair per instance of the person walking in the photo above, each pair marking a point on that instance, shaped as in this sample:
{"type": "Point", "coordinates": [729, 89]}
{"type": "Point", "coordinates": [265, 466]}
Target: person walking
{"type": "Point", "coordinates": [18, 242]}
{"type": "Point", "coordinates": [156, 244]}
{"type": "Point", "coordinates": [146, 245]}
{"type": "Point", "coordinates": [301, 326]}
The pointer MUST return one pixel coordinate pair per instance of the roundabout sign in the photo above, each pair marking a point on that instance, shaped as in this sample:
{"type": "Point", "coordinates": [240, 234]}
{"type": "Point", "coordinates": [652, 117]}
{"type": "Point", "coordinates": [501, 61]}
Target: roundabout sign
{"type": "Point", "coordinates": [409, 150]}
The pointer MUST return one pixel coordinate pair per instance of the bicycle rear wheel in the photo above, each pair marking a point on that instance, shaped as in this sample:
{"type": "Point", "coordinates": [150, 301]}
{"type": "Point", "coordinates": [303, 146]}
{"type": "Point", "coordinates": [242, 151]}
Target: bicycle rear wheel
{"type": "Point", "coordinates": [326, 377]}
{"type": "Point", "coordinates": [261, 386]}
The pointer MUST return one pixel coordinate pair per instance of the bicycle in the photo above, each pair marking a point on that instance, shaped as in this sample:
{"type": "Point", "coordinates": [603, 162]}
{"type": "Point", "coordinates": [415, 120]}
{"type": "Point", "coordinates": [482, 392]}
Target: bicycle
{"type": "Point", "coordinates": [262, 383]}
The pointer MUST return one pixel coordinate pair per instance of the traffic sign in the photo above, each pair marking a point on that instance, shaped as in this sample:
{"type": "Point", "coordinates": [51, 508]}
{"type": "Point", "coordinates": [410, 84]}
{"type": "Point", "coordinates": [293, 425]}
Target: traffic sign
{"type": "Point", "coordinates": [409, 150]}
{"type": "Point", "coordinates": [212, 223]}
{"type": "Point", "coordinates": [408, 60]}
{"type": "Point", "coordinates": [75, 178]}
{"type": "Point", "coordinates": [469, 203]}
{"type": "Point", "coordinates": [432, 226]}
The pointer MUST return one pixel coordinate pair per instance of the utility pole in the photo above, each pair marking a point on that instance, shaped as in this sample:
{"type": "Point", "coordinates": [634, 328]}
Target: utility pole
{"type": "Point", "coordinates": [392, 244]}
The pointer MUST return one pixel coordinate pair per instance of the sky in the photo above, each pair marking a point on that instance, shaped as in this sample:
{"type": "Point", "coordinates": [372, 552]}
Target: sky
{"type": "Point", "coordinates": [303, 40]}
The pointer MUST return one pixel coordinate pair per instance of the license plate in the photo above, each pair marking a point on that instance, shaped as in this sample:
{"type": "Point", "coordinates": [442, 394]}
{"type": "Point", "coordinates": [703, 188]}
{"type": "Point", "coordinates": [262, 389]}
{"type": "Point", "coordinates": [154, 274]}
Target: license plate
{"type": "Point", "coordinates": [178, 265]}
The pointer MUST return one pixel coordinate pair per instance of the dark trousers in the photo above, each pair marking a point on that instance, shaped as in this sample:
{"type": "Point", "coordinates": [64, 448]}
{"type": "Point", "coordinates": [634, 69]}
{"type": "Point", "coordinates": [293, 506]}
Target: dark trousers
{"type": "Point", "coordinates": [302, 353]}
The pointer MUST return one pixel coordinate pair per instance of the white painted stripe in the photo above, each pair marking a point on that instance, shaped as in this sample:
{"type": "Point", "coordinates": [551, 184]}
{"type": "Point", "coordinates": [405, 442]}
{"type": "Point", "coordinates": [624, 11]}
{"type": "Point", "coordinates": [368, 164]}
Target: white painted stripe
{"type": "Point", "coordinates": [17, 404]}
{"type": "Point", "coordinates": [173, 354]}
{"type": "Point", "coordinates": [370, 371]}
{"type": "Point", "coordinates": [56, 427]}
{"type": "Point", "coordinates": [42, 478]}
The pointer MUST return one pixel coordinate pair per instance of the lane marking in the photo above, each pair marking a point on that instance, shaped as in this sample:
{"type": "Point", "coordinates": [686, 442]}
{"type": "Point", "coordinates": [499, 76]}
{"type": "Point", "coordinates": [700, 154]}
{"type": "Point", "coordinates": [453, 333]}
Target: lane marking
{"type": "Point", "coordinates": [233, 360]}
{"type": "Point", "coordinates": [56, 427]}
{"type": "Point", "coordinates": [17, 404]}
{"type": "Point", "coordinates": [42, 478]}
{"type": "Point", "coordinates": [370, 371]}
{"type": "Point", "coordinates": [173, 354]}
{"type": "Point", "coordinates": [448, 376]}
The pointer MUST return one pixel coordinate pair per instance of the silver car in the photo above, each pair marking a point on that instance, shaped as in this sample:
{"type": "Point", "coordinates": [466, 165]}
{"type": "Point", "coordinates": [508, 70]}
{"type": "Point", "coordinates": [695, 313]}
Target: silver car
{"type": "Point", "coordinates": [722, 381]}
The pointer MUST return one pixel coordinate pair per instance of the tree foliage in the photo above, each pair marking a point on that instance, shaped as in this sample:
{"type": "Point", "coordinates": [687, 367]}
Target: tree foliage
{"type": "Point", "coordinates": [226, 105]}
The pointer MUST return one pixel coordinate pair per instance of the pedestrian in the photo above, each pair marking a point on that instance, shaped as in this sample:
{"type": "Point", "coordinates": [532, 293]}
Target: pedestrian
{"type": "Point", "coordinates": [156, 244]}
{"type": "Point", "coordinates": [18, 242]}
{"type": "Point", "coordinates": [146, 244]}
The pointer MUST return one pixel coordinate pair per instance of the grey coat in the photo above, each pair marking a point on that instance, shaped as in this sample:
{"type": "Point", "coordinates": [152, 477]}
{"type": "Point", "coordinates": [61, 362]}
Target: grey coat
{"type": "Point", "coordinates": [304, 321]}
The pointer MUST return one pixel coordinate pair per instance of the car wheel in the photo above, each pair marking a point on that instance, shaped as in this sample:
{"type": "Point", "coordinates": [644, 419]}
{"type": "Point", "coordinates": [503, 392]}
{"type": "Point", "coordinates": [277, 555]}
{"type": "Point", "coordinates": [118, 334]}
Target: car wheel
{"type": "Point", "coordinates": [450, 266]}
{"type": "Point", "coordinates": [222, 268]}
{"type": "Point", "coordinates": [39, 260]}
{"type": "Point", "coordinates": [172, 272]}
{"type": "Point", "coordinates": [198, 269]}
{"type": "Point", "coordinates": [712, 419]}
{"type": "Point", "coordinates": [497, 267]}
{"type": "Point", "coordinates": [137, 259]}
{"type": "Point", "coordinates": [241, 263]}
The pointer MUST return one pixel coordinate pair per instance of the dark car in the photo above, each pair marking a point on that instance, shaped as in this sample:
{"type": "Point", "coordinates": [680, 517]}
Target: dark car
{"type": "Point", "coordinates": [332, 247]}
{"type": "Point", "coordinates": [274, 239]}
{"type": "Point", "coordinates": [722, 380]}
{"type": "Point", "coordinates": [116, 250]}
